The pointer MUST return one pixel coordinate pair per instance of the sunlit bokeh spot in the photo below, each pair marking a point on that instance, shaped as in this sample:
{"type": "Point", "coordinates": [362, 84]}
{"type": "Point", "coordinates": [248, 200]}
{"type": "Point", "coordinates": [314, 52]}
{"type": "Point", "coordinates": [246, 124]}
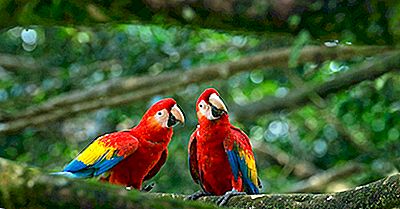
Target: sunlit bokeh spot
{"type": "Point", "coordinates": [277, 128]}
{"type": "Point", "coordinates": [281, 92]}
{"type": "Point", "coordinates": [256, 76]}
{"type": "Point", "coordinates": [320, 147]}
{"type": "Point", "coordinates": [332, 43]}
{"type": "Point", "coordinates": [29, 36]}
{"type": "Point", "coordinates": [256, 133]}
{"type": "Point", "coordinates": [83, 37]}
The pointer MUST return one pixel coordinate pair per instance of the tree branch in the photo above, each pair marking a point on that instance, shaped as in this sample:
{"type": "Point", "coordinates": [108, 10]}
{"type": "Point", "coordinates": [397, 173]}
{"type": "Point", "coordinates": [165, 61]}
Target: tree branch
{"type": "Point", "coordinates": [329, 118]}
{"type": "Point", "coordinates": [127, 90]}
{"type": "Point", "coordinates": [384, 193]}
{"type": "Point", "coordinates": [21, 187]}
{"type": "Point", "coordinates": [10, 61]}
{"type": "Point", "coordinates": [366, 71]}
{"type": "Point", "coordinates": [15, 63]}
{"type": "Point", "coordinates": [301, 168]}
{"type": "Point", "coordinates": [319, 181]}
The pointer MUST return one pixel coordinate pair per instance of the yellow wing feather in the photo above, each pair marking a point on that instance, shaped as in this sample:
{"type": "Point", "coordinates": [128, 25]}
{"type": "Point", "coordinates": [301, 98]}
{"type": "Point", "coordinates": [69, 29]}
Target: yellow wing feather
{"type": "Point", "coordinates": [251, 164]}
{"type": "Point", "coordinates": [94, 152]}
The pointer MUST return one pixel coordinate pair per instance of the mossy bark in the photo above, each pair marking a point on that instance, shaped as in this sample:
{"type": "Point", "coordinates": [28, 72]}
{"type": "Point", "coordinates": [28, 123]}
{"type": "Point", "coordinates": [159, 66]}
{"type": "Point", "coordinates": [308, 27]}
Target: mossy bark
{"type": "Point", "coordinates": [384, 193]}
{"type": "Point", "coordinates": [22, 187]}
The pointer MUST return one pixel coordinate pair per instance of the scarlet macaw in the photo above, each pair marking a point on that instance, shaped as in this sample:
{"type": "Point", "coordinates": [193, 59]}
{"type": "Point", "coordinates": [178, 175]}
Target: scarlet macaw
{"type": "Point", "coordinates": [221, 159]}
{"type": "Point", "coordinates": [130, 156]}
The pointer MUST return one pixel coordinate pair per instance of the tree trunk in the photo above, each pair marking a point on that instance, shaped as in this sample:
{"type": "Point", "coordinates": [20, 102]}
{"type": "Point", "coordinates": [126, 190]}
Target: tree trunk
{"type": "Point", "coordinates": [22, 187]}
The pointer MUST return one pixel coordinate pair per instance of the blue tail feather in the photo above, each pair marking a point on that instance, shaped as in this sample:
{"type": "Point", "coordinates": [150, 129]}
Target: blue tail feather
{"type": "Point", "coordinates": [77, 175]}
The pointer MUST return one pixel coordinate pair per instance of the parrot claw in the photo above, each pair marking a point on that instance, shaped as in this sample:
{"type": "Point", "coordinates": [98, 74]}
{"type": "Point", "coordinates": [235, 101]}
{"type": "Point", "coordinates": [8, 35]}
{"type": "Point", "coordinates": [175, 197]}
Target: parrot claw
{"type": "Point", "coordinates": [197, 195]}
{"type": "Point", "coordinates": [148, 187]}
{"type": "Point", "coordinates": [225, 198]}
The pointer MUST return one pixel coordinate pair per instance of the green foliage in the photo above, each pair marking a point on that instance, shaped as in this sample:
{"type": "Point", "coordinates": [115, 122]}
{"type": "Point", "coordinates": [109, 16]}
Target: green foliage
{"type": "Point", "coordinates": [76, 58]}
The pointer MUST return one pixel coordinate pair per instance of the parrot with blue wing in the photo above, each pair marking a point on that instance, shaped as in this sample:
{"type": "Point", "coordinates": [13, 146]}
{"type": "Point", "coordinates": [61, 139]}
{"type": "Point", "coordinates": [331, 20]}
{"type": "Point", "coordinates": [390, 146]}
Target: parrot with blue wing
{"type": "Point", "coordinates": [221, 159]}
{"type": "Point", "coordinates": [130, 157]}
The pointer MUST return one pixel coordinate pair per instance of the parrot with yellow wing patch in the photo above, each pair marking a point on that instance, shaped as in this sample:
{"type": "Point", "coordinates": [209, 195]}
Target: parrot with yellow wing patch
{"type": "Point", "coordinates": [132, 156]}
{"type": "Point", "coordinates": [221, 159]}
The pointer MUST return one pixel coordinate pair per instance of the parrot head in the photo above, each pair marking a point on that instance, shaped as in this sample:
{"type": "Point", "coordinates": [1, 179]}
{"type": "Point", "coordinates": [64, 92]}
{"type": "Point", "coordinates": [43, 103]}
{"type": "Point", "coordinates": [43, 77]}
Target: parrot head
{"type": "Point", "coordinates": [210, 105]}
{"type": "Point", "coordinates": [165, 113]}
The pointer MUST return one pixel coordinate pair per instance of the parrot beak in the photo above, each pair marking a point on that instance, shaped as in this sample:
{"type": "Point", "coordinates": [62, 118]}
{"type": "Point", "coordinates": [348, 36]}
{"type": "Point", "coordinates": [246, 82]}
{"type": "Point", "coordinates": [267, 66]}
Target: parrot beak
{"type": "Point", "coordinates": [217, 105]}
{"type": "Point", "coordinates": [175, 116]}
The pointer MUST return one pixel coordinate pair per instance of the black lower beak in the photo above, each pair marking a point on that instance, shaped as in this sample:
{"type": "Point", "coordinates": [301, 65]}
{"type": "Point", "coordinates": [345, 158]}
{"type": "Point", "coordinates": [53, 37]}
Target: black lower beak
{"type": "Point", "coordinates": [216, 113]}
{"type": "Point", "coordinates": [172, 121]}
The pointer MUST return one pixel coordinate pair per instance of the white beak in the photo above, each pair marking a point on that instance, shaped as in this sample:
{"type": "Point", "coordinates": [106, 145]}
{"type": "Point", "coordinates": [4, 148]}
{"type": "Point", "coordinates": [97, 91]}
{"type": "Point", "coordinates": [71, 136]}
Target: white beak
{"type": "Point", "coordinates": [177, 113]}
{"type": "Point", "coordinates": [217, 102]}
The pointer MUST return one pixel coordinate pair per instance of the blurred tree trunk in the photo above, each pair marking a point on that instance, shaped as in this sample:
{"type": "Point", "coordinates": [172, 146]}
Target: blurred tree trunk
{"type": "Point", "coordinates": [22, 187]}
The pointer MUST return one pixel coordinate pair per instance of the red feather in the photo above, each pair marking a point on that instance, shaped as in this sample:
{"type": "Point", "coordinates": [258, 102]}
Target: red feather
{"type": "Point", "coordinates": [158, 166]}
{"type": "Point", "coordinates": [132, 156]}
{"type": "Point", "coordinates": [151, 154]}
{"type": "Point", "coordinates": [192, 149]}
{"type": "Point", "coordinates": [208, 158]}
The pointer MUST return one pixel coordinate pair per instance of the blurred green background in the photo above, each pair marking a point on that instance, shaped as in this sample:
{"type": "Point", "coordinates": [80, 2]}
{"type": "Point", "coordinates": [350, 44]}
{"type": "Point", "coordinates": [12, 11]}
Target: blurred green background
{"type": "Point", "coordinates": [360, 125]}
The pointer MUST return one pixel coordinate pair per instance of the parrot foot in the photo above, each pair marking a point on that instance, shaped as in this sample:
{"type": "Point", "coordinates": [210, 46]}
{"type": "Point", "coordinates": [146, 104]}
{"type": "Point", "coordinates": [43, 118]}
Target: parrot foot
{"type": "Point", "coordinates": [148, 187]}
{"type": "Point", "coordinates": [197, 195]}
{"type": "Point", "coordinates": [225, 198]}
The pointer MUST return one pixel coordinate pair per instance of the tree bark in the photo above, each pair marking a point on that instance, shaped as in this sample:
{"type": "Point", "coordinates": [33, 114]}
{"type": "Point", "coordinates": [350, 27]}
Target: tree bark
{"type": "Point", "coordinates": [19, 63]}
{"type": "Point", "coordinates": [127, 90]}
{"type": "Point", "coordinates": [384, 193]}
{"type": "Point", "coordinates": [22, 187]}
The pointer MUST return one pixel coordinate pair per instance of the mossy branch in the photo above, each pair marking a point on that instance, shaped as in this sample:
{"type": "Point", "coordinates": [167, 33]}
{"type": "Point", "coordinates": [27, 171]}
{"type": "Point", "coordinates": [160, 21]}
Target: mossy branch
{"type": "Point", "coordinates": [384, 193]}
{"type": "Point", "coordinates": [23, 187]}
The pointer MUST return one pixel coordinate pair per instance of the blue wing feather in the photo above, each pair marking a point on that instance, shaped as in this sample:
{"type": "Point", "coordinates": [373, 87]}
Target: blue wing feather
{"type": "Point", "coordinates": [105, 165]}
{"type": "Point", "coordinates": [250, 187]}
{"type": "Point", "coordinates": [242, 161]}
{"type": "Point", "coordinates": [81, 174]}
{"type": "Point", "coordinates": [237, 164]}
{"type": "Point", "coordinates": [74, 166]}
{"type": "Point", "coordinates": [98, 158]}
{"type": "Point", "coordinates": [233, 161]}
{"type": "Point", "coordinates": [77, 169]}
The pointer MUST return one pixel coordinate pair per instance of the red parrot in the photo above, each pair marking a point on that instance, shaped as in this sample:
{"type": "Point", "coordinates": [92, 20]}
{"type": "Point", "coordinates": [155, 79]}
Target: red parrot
{"type": "Point", "coordinates": [130, 156]}
{"type": "Point", "coordinates": [221, 159]}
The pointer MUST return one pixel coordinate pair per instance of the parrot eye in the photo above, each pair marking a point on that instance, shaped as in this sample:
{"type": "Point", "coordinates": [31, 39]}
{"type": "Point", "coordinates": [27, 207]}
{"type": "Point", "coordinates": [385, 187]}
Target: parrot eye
{"type": "Point", "coordinates": [160, 113]}
{"type": "Point", "coordinates": [201, 105]}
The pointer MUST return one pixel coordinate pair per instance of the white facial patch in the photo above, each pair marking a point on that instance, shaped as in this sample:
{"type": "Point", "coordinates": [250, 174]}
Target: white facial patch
{"type": "Point", "coordinates": [203, 107]}
{"type": "Point", "coordinates": [162, 117]}
{"type": "Point", "coordinates": [205, 110]}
